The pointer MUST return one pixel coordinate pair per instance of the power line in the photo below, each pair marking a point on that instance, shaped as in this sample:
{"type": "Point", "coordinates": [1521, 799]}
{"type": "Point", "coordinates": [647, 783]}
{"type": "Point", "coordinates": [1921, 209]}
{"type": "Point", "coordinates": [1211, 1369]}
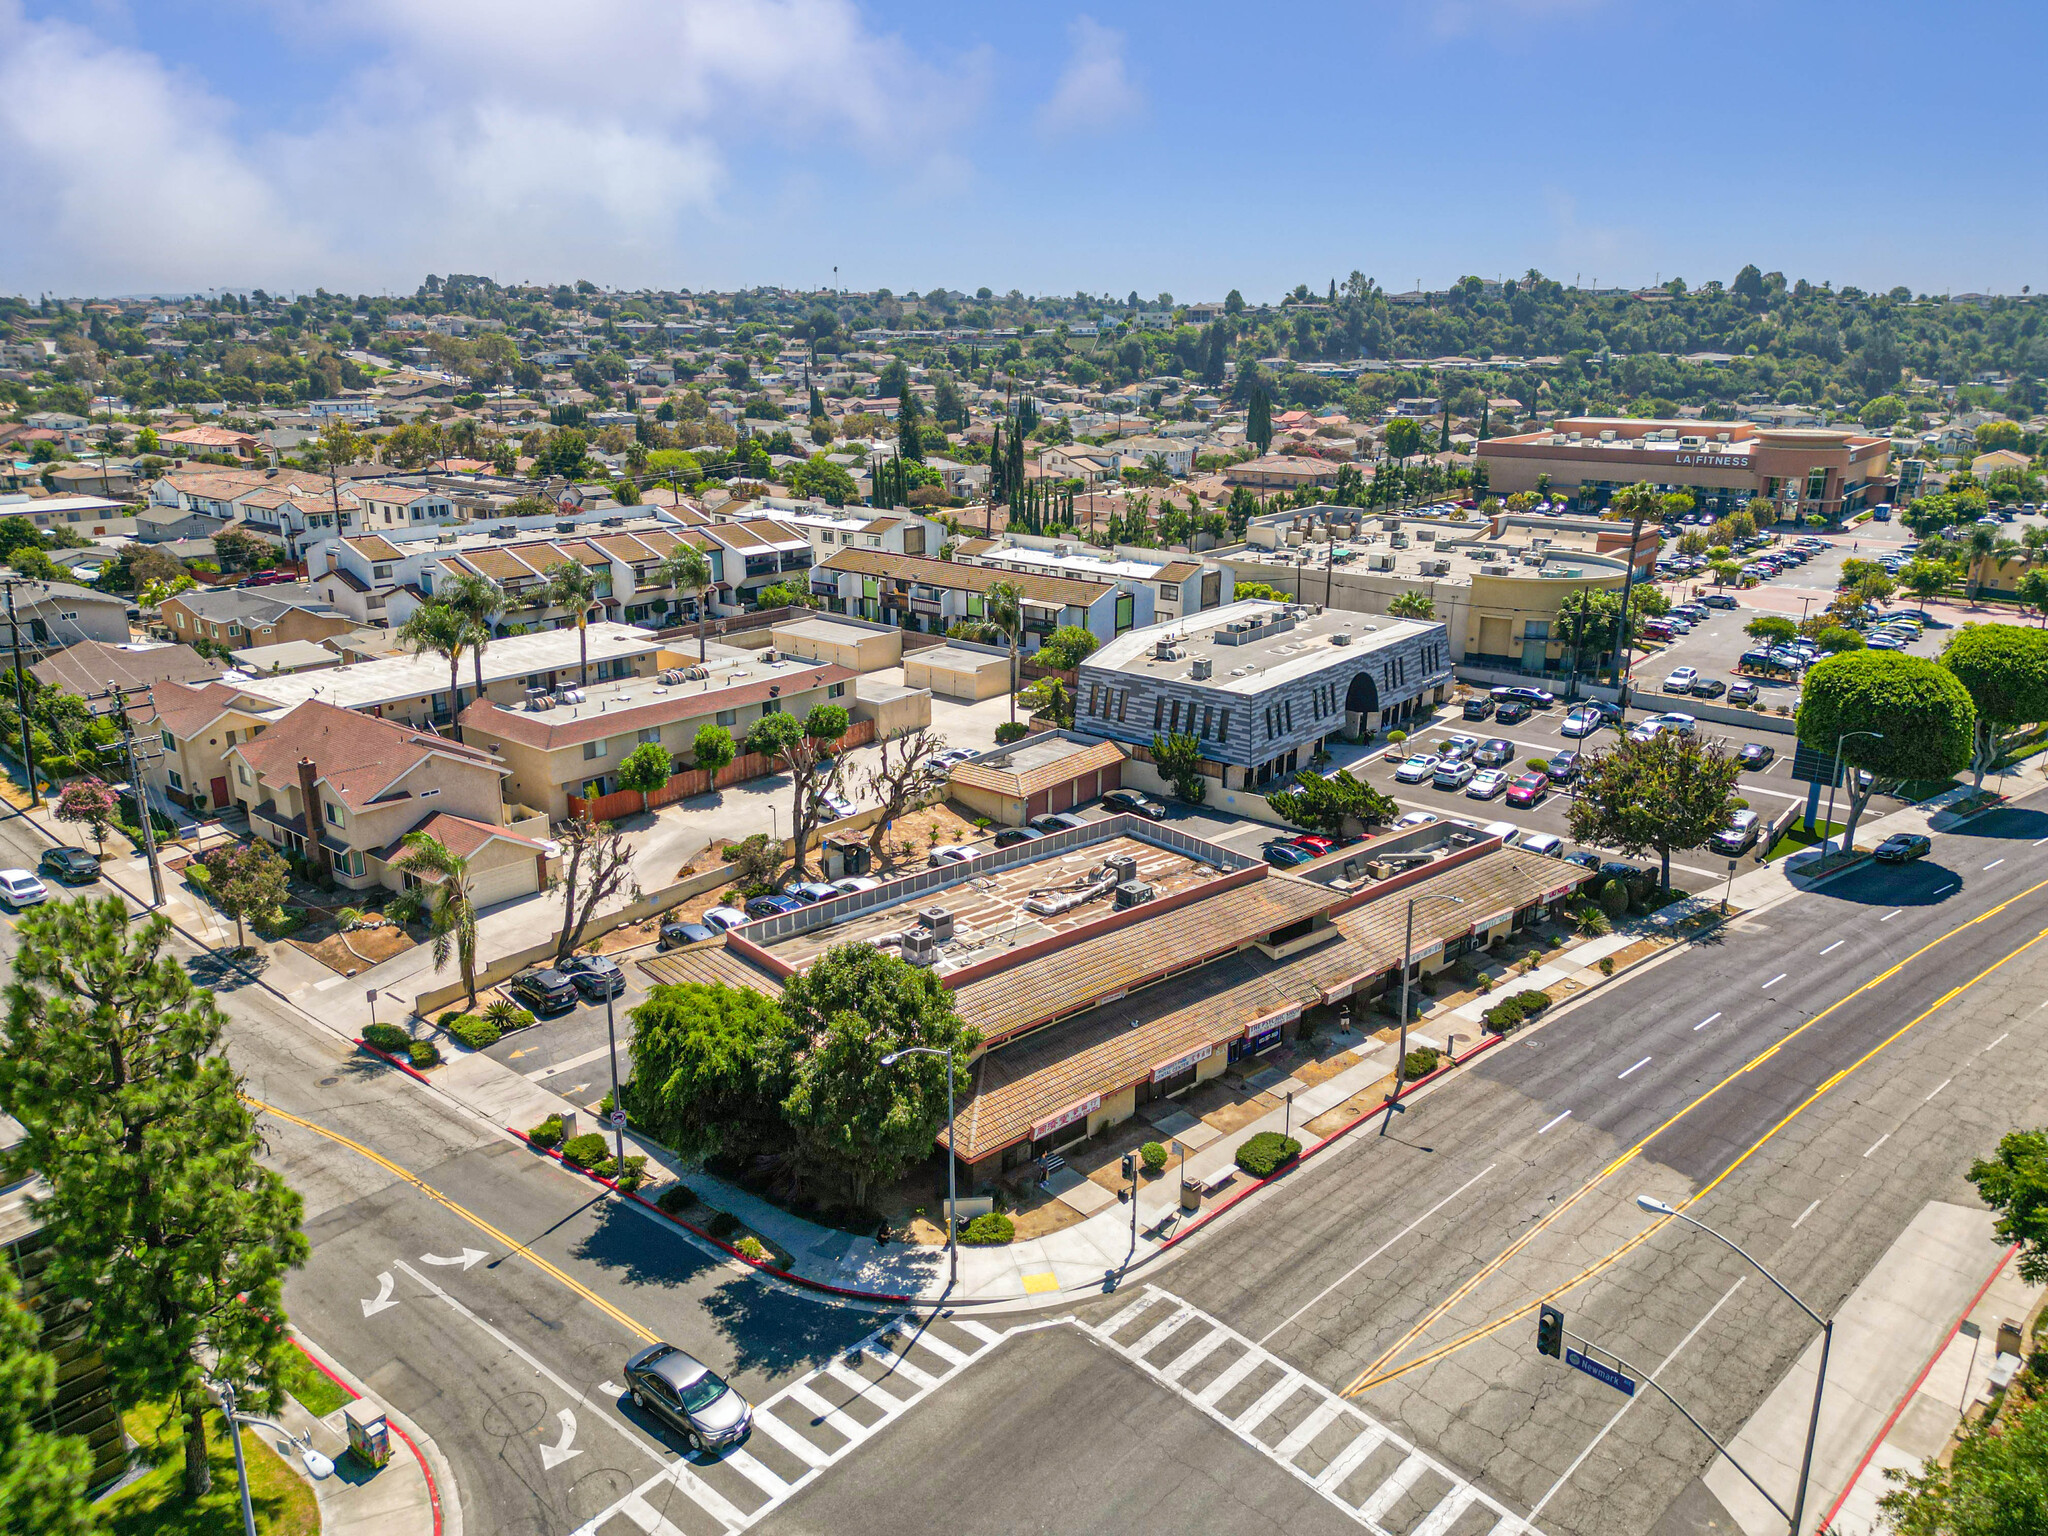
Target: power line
{"type": "Point", "coordinates": [116, 699]}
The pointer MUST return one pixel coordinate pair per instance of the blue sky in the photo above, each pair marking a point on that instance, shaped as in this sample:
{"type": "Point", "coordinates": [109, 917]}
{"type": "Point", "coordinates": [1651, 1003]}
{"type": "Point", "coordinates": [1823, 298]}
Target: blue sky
{"type": "Point", "coordinates": [1186, 148]}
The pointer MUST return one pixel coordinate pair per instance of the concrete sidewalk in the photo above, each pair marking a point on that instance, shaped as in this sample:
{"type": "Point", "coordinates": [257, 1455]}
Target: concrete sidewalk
{"type": "Point", "coordinates": [413, 1494]}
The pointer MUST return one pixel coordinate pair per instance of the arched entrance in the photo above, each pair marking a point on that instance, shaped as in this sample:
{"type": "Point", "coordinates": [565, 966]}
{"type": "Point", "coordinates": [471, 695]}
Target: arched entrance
{"type": "Point", "coordinates": [1361, 702]}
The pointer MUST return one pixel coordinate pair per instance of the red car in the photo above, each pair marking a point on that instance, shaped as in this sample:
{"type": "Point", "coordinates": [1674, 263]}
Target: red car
{"type": "Point", "coordinates": [1526, 789]}
{"type": "Point", "coordinates": [1315, 843]}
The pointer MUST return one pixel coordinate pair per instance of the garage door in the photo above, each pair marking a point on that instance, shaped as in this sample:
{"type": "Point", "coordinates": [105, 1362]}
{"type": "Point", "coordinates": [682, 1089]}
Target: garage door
{"type": "Point", "coordinates": [513, 878]}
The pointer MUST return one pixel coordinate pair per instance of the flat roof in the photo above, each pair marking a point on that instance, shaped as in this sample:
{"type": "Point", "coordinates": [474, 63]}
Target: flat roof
{"type": "Point", "coordinates": [1302, 642]}
{"type": "Point", "coordinates": [823, 628]}
{"type": "Point", "coordinates": [1036, 763]}
{"type": "Point", "coordinates": [953, 658]}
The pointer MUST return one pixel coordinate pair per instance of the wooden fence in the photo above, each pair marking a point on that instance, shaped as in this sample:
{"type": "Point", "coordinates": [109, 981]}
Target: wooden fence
{"type": "Point", "coordinates": [697, 781]}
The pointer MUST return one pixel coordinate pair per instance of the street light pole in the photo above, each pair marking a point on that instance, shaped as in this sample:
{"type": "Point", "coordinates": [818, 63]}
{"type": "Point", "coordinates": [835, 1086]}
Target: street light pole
{"type": "Point", "coordinates": [1827, 1338]}
{"type": "Point", "coordinates": [1407, 961]}
{"type": "Point", "coordinates": [952, 1156]}
{"type": "Point", "coordinates": [1834, 779]}
{"type": "Point", "coordinates": [317, 1466]}
{"type": "Point", "coordinates": [611, 1042]}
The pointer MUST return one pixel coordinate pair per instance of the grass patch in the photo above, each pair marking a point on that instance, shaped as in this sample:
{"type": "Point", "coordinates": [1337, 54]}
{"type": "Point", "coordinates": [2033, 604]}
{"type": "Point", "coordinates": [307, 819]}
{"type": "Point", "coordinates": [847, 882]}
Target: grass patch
{"type": "Point", "coordinates": [318, 1393]}
{"type": "Point", "coordinates": [1917, 790]}
{"type": "Point", "coordinates": [1797, 837]}
{"type": "Point", "coordinates": [155, 1504]}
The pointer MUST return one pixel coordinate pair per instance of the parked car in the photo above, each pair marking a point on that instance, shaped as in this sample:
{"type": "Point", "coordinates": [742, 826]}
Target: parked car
{"type": "Point", "coordinates": [1744, 692]}
{"type": "Point", "coordinates": [677, 934]}
{"type": "Point", "coordinates": [1417, 769]}
{"type": "Point", "coordinates": [1583, 721]}
{"type": "Point", "coordinates": [1412, 820]}
{"type": "Point", "coordinates": [1584, 858]}
{"type": "Point", "coordinates": [73, 866]}
{"type": "Point", "coordinates": [832, 806]}
{"type": "Point", "coordinates": [1647, 730]}
{"type": "Point", "coordinates": [1708, 688]}
{"type": "Point", "coordinates": [1528, 788]}
{"type": "Point", "coordinates": [597, 977]}
{"type": "Point", "coordinates": [1538, 698]}
{"type": "Point", "coordinates": [1286, 855]}
{"type": "Point", "coordinates": [1010, 837]}
{"type": "Point", "coordinates": [544, 989]}
{"type": "Point", "coordinates": [1685, 725]}
{"type": "Point", "coordinates": [1056, 821]}
{"type": "Point", "coordinates": [1459, 745]}
{"type": "Point", "coordinates": [1513, 712]}
{"type": "Point", "coordinates": [19, 888]}
{"type": "Point", "coordinates": [1130, 802]}
{"type": "Point", "coordinates": [1315, 842]}
{"type": "Point", "coordinates": [809, 892]}
{"type": "Point", "coordinates": [853, 885]}
{"type": "Point", "coordinates": [1563, 768]}
{"type": "Point", "coordinates": [1681, 679]}
{"type": "Point", "coordinates": [772, 906]}
{"type": "Point", "coordinates": [1479, 708]}
{"type": "Point", "coordinates": [951, 853]}
{"type": "Point", "coordinates": [1452, 773]}
{"type": "Point", "coordinates": [1496, 752]}
{"type": "Point", "coordinates": [1755, 754]}
{"type": "Point", "coordinates": [1549, 844]}
{"type": "Point", "coordinates": [1738, 835]}
{"type": "Point", "coordinates": [1899, 848]}
{"type": "Point", "coordinates": [1718, 600]}
{"type": "Point", "coordinates": [725, 919]}
{"type": "Point", "coordinates": [688, 1395]}
{"type": "Point", "coordinates": [1487, 783]}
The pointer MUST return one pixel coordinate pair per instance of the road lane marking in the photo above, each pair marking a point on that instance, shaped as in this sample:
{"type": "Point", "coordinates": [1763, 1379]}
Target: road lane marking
{"type": "Point", "coordinates": [1804, 1214]}
{"type": "Point", "coordinates": [1643, 1063]}
{"type": "Point", "coordinates": [1383, 1247]}
{"type": "Point", "coordinates": [512, 1243]}
{"type": "Point", "coordinates": [1947, 888]}
{"type": "Point", "coordinates": [552, 1456]}
{"type": "Point", "coordinates": [1943, 1084]}
{"type": "Point", "coordinates": [1773, 981]}
{"type": "Point", "coordinates": [385, 1286]}
{"type": "Point", "coordinates": [467, 1258]}
{"type": "Point", "coordinates": [1703, 1023]}
{"type": "Point", "coordinates": [1834, 946]}
{"type": "Point", "coordinates": [1994, 864]}
{"type": "Point", "coordinates": [1887, 1136]}
{"type": "Point", "coordinates": [1549, 1123]}
{"type": "Point", "coordinates": [1895, 911]}
{"type": "Point", "coordinates": [1377, 1373]}
{"type": "Point", "coordinates": [1995, 1042]}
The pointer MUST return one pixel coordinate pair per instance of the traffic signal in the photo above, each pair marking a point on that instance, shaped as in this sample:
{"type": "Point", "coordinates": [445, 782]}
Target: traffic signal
{"type": "Point", "coordinates": [1130, 1167]}
{"type": "Point", "coordinates": [1549, 1331]}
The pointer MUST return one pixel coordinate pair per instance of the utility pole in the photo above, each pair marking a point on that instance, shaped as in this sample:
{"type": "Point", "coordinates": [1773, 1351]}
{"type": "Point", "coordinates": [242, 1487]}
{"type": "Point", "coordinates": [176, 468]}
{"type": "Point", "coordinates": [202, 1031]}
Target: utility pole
{"type": "Point", "coordinates": [28, 754]}
{"type": "Point", "coordinates": [116, 699]}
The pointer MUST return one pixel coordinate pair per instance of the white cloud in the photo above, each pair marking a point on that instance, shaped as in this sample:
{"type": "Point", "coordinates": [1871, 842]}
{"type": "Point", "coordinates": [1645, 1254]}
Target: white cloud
{"type": "Point", "coordinates": [494, 136]}
{"type": "Point", "coordinates": [1095, 90]}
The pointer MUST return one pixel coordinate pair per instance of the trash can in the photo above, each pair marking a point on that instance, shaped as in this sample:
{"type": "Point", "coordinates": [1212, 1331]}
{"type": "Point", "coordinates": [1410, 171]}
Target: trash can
{"type": "Point", "coordinates": [1191, 1197]}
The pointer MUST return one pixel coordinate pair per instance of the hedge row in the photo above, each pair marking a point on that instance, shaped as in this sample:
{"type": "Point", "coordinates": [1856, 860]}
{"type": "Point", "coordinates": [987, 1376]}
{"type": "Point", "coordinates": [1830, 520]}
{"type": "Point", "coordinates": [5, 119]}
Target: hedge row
{"type": "Point", "coordinates": [1260, 1155]}
{"type": "Point", "coordinates": [1515, 1010]}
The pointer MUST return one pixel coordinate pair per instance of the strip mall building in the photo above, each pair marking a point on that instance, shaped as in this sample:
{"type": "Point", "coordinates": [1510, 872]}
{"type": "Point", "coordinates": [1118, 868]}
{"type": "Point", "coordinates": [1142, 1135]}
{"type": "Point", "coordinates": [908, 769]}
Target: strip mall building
{"type": "Point", "coordinates": [1721, 464]}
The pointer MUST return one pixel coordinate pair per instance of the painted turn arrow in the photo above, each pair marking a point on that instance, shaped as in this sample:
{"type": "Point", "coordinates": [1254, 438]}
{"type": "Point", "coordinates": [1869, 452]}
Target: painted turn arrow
{"type": "Point", "coordinates": [385, 1286]}
{"type": "Point", "coordinates": [467, 1257]}
{"type": "Point", "coordinates": [552, 1456]}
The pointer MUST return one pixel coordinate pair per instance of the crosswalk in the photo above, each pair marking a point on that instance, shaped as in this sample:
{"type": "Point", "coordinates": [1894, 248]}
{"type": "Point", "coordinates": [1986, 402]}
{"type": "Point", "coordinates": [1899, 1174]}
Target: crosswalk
{"type": "Point", "coordinates": [1377, 1478]}
{"type": "Point", "coordinates": [801, 1431]}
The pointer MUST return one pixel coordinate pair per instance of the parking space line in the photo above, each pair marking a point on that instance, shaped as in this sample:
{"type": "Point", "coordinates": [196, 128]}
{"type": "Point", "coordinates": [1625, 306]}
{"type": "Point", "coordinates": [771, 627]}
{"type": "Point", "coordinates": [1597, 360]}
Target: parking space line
{"type": "Point", "coordinates": [1946, 889]}
{"type": "Point", "coordinates": [1565, 1116]}
{"type": "Point", "coordinates": [1887, 1136]}
{"type": "Point", "coordinates": [1994, 864]}
{"type": "Point", "coordinates": [1895, 911]}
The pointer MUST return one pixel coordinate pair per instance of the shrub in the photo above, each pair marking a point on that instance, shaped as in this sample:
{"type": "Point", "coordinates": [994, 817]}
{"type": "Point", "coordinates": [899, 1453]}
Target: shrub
{"type": "Point", "coordinates": [425, 1054]}
{"type": "Point", "coordinates": [722, 1224]}
{"type": "Point", "coordinates": [502, 1012]}
{"type": "Point", "coordinates": [633, 1175]}
{"type": "Point", "coordinates": [1614, 898]}
{"type": "Point", "coordinates": [1396, 736]}
{"type": "Point", "coordinates": [548, 1133]}
{"type": "Point", "coordinates": [1592, 919]}
{"type": "Point", "coordinates": [676, 1198]}
{"type": "Point", "coordinates": [1505, 1016]}
{"type": "Point", "coordinates": [1154, 1155]}
{"type": "Point", "coordinates": [1539, 765]}
{"type": "Point", "coordinates": [1420, 1062]}
{"type": "Point", "coordinates": [1485, 983]}
{"type": "Point", "coordinates": [1262, 1154]}
{"type": "Point", "coordinates": [475, 1032]}
{"type": "Point", "coordinates": [585, 1151]}
{"type": "Point", "coordinates": [1607, 965]}
{"type": "Point", "coordinates": [447, 1020]}
{"type": "Point", "coordinates": [750, 1248]}
{"type": "Point", "coordinates": [387, 1037]}
{"type": "Point", "coordinates": [1531, 1002]}
{"type": "Point", "coordinates": [1011, 730]}
{"type": "Point", "coordinates": [196, 873]}
{"type": "Point", "coordinates": [988, 1231]}
{"type": "Point", "coordinates": [982, 823]}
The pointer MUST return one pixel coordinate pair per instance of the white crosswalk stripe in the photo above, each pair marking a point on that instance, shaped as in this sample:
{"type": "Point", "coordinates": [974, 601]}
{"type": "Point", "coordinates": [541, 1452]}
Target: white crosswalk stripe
{"type": "Point", "coordinates": [1416, 1475]}
{"type": "Point", "coordinates": [807, 1426]}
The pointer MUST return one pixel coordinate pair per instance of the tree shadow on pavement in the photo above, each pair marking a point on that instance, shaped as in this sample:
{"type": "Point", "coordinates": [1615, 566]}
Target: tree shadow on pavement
{"type": "Point", "coordinates": [2007, 823]}
{"type": "Point", "coordinates": [775, 1328]}
{"type": "Point", "coordinates": [217, 973]}
{"type": "Point", "coordinates": [1918, 884]}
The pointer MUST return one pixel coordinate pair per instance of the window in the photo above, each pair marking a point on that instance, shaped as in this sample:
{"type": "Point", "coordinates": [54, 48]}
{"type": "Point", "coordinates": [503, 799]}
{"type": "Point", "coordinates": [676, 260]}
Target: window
{"type": "Point", "coordinates": [1207, 711]}
{"type": "Point", "coordinates": [1223, 725]}
{"type": "Point", "coordinates": [428, 794]}
{"type": "Point", "coordinates": [1123, 704]}
{"type": "Point", "coordinates": [170, 745]}
{"type": "Point", "coordinates": [1158, 713]}
{"type": "Point", "coordinates": [593, 749]}
{"type": "Point", "coordinates": [380, 572]}
{"type": "Point", "coordinates": [728, 717]}
{"type": "Point", "coordinates": [177, 779]}
{"type": "Point", "coordinates": [351, 863]}
{"type": "Point", "coordinates": [242, 773]}
{"type": "Point", "coordinates": [335, 818]}
{"type": "Point", "coordinates": [835, 691]}
{"type": "Point", "coordinates": [180, 619]}
{"type": "Point", "coordinates": [652, 733]}
{"type": "Point", "coordinates": [1816, 484]}
{"type": "Point", "coordinates": [1168, 592]}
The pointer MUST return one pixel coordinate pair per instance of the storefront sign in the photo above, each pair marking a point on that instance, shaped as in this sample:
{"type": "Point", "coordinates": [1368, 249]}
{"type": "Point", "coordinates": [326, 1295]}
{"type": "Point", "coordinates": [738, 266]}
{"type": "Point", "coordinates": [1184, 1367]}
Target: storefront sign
{"type": "Point", "coordinates": [1180, 1064]}
{"type": "Point", "coordinates": [1711, 460]}
{"type": "Point", "coordinates": [1562, 890]}
{"type": "Point", "coordinates": [1484, 923]}
{"type": "Point", "coordinates": [1337, 992]}
{"type": "Point", "coordinates": [1067, 1116]}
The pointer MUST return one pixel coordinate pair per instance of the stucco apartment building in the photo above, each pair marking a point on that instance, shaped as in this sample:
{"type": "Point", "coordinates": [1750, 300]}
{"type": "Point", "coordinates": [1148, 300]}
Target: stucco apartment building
{"type": "Point", "coordinates": [932, 595]}
{"type": "Point", "coordinates": [53, 614]}
{"type": "Point", "coordinates": [1723, 465]}
{"type": "Point", "coordinates": [1181, 584]}
{"type": "Point", "coordinates": [237, 617]}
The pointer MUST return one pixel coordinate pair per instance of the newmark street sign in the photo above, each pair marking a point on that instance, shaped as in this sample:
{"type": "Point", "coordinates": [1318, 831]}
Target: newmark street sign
{"type": "Point", "coordinates": [1606, 1373]}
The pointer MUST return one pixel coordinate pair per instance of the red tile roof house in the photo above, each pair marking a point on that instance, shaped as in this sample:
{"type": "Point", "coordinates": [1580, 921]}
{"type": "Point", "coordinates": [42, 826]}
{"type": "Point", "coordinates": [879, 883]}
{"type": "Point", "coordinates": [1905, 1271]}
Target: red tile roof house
{"type": "Point", "coordinates": [364, 783]}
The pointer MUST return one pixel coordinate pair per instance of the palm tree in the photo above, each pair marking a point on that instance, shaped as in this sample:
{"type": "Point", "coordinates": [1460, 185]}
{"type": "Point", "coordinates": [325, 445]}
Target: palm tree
{"type": "Point", "coordinates": [687, 567]}
{"type": "Point", "coordinates": [440, 629]}
{"type": "Point", "coordinates": [1003, 606]}
{"type": "Point", "coordinates": [572, 586]}
{"type": "Point", "coordinates": [1982, 543]}
{"type": "Point", "coordinates": [1413, 604]}
{"type": "Point", "coordinates": [453, 908]}
{"type": "Point", "coordinates": [479, 601]}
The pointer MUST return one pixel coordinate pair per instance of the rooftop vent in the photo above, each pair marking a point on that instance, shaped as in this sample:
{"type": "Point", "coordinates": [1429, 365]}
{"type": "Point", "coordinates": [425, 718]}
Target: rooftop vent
{"type": "Point", "coordinates": [565, 527]}
{"type": "Point", "coordinates": [1342, 637]}
{"type": "Point", "coordinates": [1201, 668]}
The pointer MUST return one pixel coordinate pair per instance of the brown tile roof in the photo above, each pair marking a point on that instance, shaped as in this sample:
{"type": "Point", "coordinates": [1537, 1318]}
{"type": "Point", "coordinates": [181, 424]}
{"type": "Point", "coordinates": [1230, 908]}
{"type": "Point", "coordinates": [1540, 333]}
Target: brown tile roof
{"type": "Point", "coordinates": [952, 574]}
{"type": "Point", "coordinates": [183, 709]}
{"type": "Point", "coordinates": [374, 546]}
{"type": "Point", "coordinates": [458, 834]}
{"type": "Point", "coordinates": [395, 495]}
{"type": "Point", "coordinates": [90, 665]}
{"type": "Point", "coordinates": [1002, 781]}
{"type": "Point", "coordinates": [1177, 570]}
{"type": "Point", "coordinates": [708, 967]}
{"type": "Point", "coordinates": [358, 756]}
{"type": "Point", "coordinates": [551, 729]}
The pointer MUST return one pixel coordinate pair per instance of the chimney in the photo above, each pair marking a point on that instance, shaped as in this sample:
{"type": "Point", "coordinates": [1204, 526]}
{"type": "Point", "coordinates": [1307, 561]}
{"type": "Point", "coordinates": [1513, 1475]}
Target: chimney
{"type": "Point", "coordinates": [309, 792]}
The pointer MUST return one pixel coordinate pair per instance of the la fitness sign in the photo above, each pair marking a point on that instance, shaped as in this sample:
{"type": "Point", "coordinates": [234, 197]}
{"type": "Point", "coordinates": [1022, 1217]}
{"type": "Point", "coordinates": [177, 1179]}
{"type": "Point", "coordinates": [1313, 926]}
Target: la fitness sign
{"type": "Point", "coordinates": [1711, 460]}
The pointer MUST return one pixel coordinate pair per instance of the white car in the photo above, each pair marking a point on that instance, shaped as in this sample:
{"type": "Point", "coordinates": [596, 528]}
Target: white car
{"type": "Point", "coordinates": [853, 885]}
{"type": "Point", "coordinates": [1460, 745]}
{"type": "Point", "coordinates": [1549, 844]}
{"type": "Point", "coordinates": [725, 919]}
{"type": "Point", "coordinates": [1648, 730]}
{"type": "Point", "coordinates": [1487, 783]}
{"type": "Point", "coordinates": [1413, 820]}
{"type": "Point", "coordinates": [1452, 773]}
{"type": "Point", "coordinates": [1417, 769]}
{"type": "Point", "coordinates": [831, 807]}
{"type": "Point", "coordinates": [19, 888]}
{"type": "Point", "coordinates": [1681, 680]}
{"type": "Point", "coordinates": [954, 853]}
{"type": "Point", "coordinates": [1685, 725]}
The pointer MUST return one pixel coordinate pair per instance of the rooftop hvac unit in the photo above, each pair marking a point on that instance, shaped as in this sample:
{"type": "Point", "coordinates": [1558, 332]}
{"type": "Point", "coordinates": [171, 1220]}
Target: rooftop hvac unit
{"type": "Point", "coordinates": [538, 699]}
{"type": "Point", "coordinates": [1342, 637]}
{"type": "Point", "coordinates": [1496, 570]}
{"type": "Point", "coordinates": [939, 922]}
{"type": "Point", "coordinates": [920, 948]}
{"type": "Point", "coordinates": [1123, 865]}
{"type": "Point", "coordinates": [1399, 541]}
{"type": "Point", "coordinates": [612, 522]}
{"type": "Point", "coordinates": [672, 676]}
{"type": "Point", "coordinates": [1426, 535]}
{"type": "Point", "coordinates": [504, 533]}
{"type": "Point", "coordinates": [1132, 893]}
{"type": "Point", "coordinates": [570, 695]}
{"type": "Point", "coordinates": [1379, 562]}
{"type": "Point", "coordinates": [565, 527]}
{"type": "Point", "coordinates": [771, 654]}
{"type": "Point", "coordinates": [1200, 669]}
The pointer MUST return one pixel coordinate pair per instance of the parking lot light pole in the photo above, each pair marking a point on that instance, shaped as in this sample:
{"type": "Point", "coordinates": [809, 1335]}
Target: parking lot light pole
{"type": "Point", "coordinates": [611, 1041]}
{"type": "Point", "coordinates": [317, 1466]}
{"type": "Point", "coordinates": [1658, 1207]}
{"type": "Point", "coordinates": [952, 1154]}
{"type": "Point", "coordinates": [1407, 963]}
{"type": "Point", "coordinates": [1836, 778]}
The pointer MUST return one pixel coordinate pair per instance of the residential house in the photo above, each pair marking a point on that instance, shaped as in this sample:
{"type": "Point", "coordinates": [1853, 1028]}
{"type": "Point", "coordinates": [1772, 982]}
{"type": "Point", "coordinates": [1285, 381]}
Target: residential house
{"type": "Point", "coordinates": [54, 614]}
{"type": "Point", "coordinates": [1280, 472]}
{"type": "Point", "coordinates": [385, 506]}
{"type": "Point", "coordinates": [210, 440]}
{"type": "Point", "coordinates": [88, 516]}
{"type": "Point", "coordinates": [196, 724]}
{"type": "Point", "coordinates": [101, 479]}
{"type": "Point", "coordinates": [236, 617]}
{"type": "Point", "coordinates": [91, 665]}
{"type": "Point", "coordinates": [1181, 584]}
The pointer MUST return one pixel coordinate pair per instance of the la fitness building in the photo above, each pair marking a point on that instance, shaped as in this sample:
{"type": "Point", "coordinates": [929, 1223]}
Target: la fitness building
{"type": "Point", "coordinates": [1721, 464]}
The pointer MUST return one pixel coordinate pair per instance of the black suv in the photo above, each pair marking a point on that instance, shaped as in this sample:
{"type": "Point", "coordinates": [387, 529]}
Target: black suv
{"type": "Point", "coordinates": [546, 991]}
{"type": "Point", "coordinates": [597, 977]}
{"type": "Point", "coordinates": [73, 866]}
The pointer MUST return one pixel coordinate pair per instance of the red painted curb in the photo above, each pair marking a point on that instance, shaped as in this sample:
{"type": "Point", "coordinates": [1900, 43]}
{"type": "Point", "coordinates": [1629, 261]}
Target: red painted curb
{"type": "Point", "coordinates": [387, 1057]}
{"type": "Point", "coordinates": [791, 1276]}
{"type": "Point", "coordinates": [433, 1492]}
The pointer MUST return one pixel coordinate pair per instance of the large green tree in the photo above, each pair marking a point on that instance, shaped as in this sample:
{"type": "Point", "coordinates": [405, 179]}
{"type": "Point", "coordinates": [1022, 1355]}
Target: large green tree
{"type": "Point", "coordinates": [1995, 1483]}
{"type": "Point", "coordinates": [436, 629]}
{"type": "Point", "coordinates": [1920, 711]}
{"type": "Point", "coordinates": [1651, 797]}
{"type": "Point", "coordinates": [42, 1475]}
{"type": "Point", "coordinates": [450, 901]}
{"type": "Point", "coordinates": [162, 1221]}
{"type": "Point", "coordinates": [857, 1123]}
{"type": "Point", "coordinates": [711, 1068]}
{"type": "Point", "coordinates": [1331, 804]}
{"type": "Point", "coordinates": [2013, 1181]}
{"type": "Point", "coordinates": [2005, 669]}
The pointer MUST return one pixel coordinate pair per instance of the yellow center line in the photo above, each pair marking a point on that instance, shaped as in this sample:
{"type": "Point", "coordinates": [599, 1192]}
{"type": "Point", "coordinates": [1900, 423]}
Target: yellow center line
{"type": "Point", "coordinates": [1370, 1375]}
{"type": "Point", "coordinates": [511, 1243]}
{"type": "Point", "coordinates": [1370, 1380]}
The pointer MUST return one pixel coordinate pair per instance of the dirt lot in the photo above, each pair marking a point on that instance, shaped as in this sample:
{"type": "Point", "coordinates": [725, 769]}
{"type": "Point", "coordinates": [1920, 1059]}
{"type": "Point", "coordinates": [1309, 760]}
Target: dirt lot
{"type": "Point", "coordinates": [357, 951]}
